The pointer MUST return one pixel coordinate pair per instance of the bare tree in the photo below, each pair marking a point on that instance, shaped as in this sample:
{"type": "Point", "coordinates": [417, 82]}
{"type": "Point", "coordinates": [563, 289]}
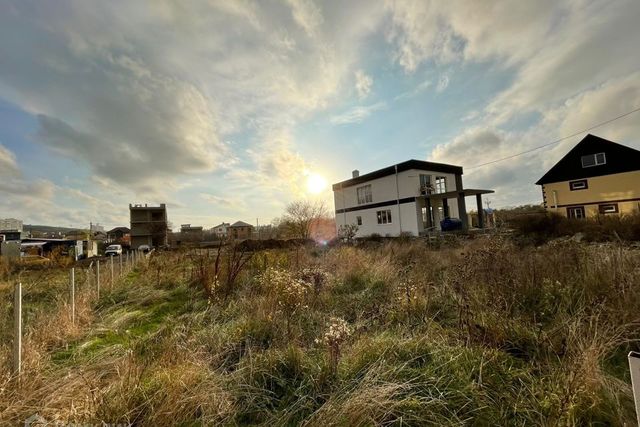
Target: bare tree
{"type": "Point", "coordinates": [300, 217]}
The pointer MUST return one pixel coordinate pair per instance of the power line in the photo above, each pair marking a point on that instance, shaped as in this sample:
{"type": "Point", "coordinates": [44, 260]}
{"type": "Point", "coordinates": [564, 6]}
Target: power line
{"type": "Point", "coordinates": [557, 140]}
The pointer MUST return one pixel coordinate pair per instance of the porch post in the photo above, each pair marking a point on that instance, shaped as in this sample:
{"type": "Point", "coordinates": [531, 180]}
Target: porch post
{"type": "Point", "coordinates": [429, 218]}
{"type": "Point", "coordinates": [462, 206]}
{"type": "Point", "coordinates": [445, 207]}
{"type": "Point", "coordinates": [480, 211]}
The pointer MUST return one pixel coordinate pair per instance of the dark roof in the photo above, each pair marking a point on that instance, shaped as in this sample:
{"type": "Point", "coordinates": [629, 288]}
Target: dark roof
{"type": "Point", "coordinates": [122, 229]}
{"type": "Point", "coordinates": [404, 166]}
{"type": "Point", "coordinates": [619, 158]}
{"type": "Point", "coordinates": [240, 224]}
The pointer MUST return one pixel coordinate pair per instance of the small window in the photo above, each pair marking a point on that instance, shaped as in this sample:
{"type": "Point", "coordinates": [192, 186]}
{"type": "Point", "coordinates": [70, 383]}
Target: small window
{"type": "Point", "coordinates": [364, 194]}
{"type": "Point", "coordinates": [359, 220]}
{"type": "Point", "coordinates": [576, 212]}
{"type": "Point", "coordinates": [593, 160]}
{"type": "Point", "coordinates": [608, 208]}
{"type": "Point", "coordinates": [441, 184]}
{"type": "Point", "coordinates": [578, 185]}
{"type": "Point", "coordinates": [384, 217]}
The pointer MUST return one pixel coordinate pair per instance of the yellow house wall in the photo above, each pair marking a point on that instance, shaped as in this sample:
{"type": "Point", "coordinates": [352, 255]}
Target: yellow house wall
{"type": "Point", "coordinates": [621, 188]}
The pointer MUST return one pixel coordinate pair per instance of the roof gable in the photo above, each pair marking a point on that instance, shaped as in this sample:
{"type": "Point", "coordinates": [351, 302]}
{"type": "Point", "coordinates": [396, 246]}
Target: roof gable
{"type": "Point", "coordinates": [619, 158]}
{"type": "Point", "coordinates": [404, 166]}
{"type": "Point", "coordinates": [240, 224]}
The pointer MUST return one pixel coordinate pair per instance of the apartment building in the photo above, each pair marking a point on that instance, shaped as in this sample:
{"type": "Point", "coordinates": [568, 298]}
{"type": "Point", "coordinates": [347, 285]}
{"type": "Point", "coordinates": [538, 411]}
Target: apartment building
{"type": "Point", "coordinates": [149, 225]}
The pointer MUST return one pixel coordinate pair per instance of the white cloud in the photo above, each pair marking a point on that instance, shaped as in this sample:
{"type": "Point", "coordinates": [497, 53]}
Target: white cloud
{"type": "Point", "coordinates": [8, 164]}
{"type": "Point", "coordinates": [357, 114]}
{"type": "Point", "coordinates": [363, 84]}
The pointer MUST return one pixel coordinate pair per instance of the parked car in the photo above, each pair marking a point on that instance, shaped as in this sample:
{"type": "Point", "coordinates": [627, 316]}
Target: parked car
{"type": "Point", "coordinates": [113, 250]}
{"type": "Point", "coordinates": [144, 248]}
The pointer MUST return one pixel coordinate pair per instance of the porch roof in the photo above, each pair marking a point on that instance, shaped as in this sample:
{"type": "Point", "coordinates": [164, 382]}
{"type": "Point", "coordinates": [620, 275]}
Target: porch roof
{"type": "Point", "coordinates": [454, 194]}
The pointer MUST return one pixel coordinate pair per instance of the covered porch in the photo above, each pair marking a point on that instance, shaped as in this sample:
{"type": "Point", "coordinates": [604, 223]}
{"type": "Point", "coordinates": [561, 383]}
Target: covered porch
{"type": "Point", "coordinates": [437, 206]}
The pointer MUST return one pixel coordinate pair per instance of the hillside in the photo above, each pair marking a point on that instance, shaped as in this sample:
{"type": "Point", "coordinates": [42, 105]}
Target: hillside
{"type": "Point", "coordinates": [474, 332]}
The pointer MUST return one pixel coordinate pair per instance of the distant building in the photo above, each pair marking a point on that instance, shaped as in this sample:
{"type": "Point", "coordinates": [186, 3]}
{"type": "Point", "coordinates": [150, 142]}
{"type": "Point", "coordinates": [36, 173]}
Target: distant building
{"type": "Point", "coordinates": [189, 233]}
{"type": "Point", "coordinates": [240, 230]}
{"type": "Point", "coordinates": [10, 230]}
{"type": "Point", "coordinates": [149, 225]}
{"type": "Point", "coordinates": [95, 228]}
{"type": "Point", "coordinates": [121, 235]}
{"type": "Point", "coordinates": [597, 177]}
{"type": "Point", "coordinates": [220, 230]}
{"type": "Point", "coordinates": [10, 224]}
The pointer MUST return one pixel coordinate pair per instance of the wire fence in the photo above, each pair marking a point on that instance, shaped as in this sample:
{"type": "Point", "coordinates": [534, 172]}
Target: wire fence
{"type": "Point", "coordinates": [35, 292]}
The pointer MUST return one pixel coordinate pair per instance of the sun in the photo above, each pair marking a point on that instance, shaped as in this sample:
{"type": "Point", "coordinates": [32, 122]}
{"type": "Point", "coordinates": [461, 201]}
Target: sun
{"type": "Point", "coordinates": [316, 183]}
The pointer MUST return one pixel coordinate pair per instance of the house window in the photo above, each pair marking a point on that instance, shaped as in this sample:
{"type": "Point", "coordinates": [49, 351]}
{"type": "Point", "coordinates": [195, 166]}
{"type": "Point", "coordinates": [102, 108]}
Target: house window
{"type": "Point", "coordinates": [593, 160]}
{"type": "Point", "coordinates": [384, 217]}
{"type": "Point", "coordinates": [608, 208]}
{"type": "Point", "coordinates": [425, 184]}
{"type": "Point", "coordinates": [441, 184]}
{"type": "Point", "coordinates": [578, 185]}
{"type": "Point", "coordinates": [576, 212]}
{"type": "Point", "coordinates": [359, 220]}
{"type": "Point", "coordinates": [364, 194]}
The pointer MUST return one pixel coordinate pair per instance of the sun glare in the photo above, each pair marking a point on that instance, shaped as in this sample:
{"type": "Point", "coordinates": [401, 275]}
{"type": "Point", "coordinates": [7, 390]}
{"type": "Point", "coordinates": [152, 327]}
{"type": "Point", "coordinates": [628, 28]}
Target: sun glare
{"type": "Point", "coordinates": [316, 183]}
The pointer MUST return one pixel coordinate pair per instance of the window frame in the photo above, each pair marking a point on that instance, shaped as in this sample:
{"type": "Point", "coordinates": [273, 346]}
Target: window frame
{"type": "Point", "coordinates": [367, 195]}
{"type": "Point", "coordinates": [573, 184]}
{"type": "Point", "coordinates": [571, 212]}
{"type": "Point", "coordinates": [602, 208]}
{"type": "Point", "coordinates": [359, 220]}
{"type": "Point", "coordinates": [440, 185]}
{"type": "Point", "coordinates": [594, 156]}
{"type": "Point", "coordinates": [384, 217]}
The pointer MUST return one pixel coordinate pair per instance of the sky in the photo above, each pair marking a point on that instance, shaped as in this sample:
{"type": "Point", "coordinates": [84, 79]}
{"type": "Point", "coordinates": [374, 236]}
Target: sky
{"type": "Point", "coordinates": [228, 110]}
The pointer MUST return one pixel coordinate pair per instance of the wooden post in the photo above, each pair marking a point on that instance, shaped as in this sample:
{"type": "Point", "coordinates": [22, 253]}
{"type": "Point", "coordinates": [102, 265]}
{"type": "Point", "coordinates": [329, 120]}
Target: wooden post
{"type": "Point", "coordinates": [634, 367]}
{"type": "Point", "coordinates": [73, 295]}
{"type": "Point", "coordinates": [17, 339]}
{"type": "Point", "coordinates": [111, 262]}
{"type": "Point", "coordinates": [98, 278]}
{"type": "Point", "coordinates": [120, 271]}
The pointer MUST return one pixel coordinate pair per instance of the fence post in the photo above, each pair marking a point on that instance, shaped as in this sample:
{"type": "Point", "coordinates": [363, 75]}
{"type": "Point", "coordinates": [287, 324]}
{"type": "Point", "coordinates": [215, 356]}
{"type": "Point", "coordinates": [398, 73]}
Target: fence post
{"type": "Point", "coordinates": [17, 339]}
{"type": "Point", "coordinates": [120, 271]}
{"type": "Point", "coordinates": [98, 278]}
{"type": "Point", "coordinates": [73, 295]}
{"type": "Point", "coordinates": [111, 263]}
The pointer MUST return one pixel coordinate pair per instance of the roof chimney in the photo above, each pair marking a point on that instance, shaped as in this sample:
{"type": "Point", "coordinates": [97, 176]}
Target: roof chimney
{"type": "Point", "coordinates": [355, 173]}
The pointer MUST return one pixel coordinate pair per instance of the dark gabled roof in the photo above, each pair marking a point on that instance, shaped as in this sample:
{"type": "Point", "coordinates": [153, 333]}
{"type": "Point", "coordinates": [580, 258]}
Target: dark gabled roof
{"type": "Point", "coordinates": [404, 166]}
{"type": "Point", "coordinates": [619, 158]}
{"type": "Point", "coordinates": [240, 224]}
{"type": "Point", "coordinates": [123, 229]}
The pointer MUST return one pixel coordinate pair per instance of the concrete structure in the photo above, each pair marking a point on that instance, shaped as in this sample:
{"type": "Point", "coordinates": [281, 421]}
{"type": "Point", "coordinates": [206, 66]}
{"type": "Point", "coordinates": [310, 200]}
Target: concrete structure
{"type": "Point", "coordinates": [240, 230]}
{"type": "Point", "coordinates": [597, 177]}
{"type": "Point", "coordinates": [149, 225]}
{"type": "Point", "coordinates": [11, 224]}
{"type": "Point", "coordinates": [10, 230]}
{"type": "Point", "coordinates": [189, 233]}
{"type": "Point", "coordinates": [410, 197]}
{"type": "Point", "coordinates": [220, 230]}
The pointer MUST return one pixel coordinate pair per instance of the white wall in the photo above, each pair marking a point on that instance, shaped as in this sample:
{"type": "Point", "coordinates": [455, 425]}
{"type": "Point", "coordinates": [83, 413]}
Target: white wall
{"type": "Point", "coordinates": [385, 190]}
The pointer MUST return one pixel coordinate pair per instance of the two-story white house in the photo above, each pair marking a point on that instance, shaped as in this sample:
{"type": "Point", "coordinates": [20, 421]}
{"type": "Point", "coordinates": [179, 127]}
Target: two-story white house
{"type": "Point", "coordinates": [410, 197]}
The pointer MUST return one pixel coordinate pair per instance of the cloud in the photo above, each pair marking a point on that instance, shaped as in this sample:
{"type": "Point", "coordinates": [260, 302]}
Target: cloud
{"type": "Point", "coordinates": [8, 164]}
{"type": "Point", "coordinates": [306, 14]}
{"type": "Point", "coordinates": [357, 114]}
{"type": "Point", "coordinates": [363, 84]}
{"type": "Point", "coordinates": [224, 202]}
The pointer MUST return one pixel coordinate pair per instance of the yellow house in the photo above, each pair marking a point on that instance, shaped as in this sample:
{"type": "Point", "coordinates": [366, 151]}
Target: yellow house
{"type": "Point", "coordinates": [597, 177]}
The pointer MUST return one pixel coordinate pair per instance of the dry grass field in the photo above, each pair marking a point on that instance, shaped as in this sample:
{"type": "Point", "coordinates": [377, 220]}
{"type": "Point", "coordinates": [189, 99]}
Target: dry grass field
{"type": "Point", "coordinates": [477, 332]}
